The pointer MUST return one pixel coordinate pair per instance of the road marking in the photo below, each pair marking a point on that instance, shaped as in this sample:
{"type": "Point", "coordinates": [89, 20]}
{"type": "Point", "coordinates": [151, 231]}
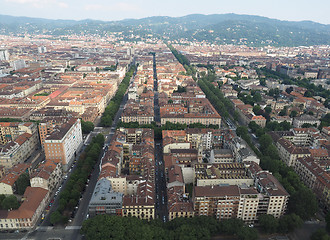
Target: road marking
{"type": "Point", "coordinates": [44, 228]}
{"type": "Point", "coordinates": [72, 227]}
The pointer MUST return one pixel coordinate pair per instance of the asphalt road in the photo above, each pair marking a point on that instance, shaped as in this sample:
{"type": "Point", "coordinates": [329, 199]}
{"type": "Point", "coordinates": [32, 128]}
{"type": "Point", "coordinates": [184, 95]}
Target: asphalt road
{"type": "Point", "coordinates": [160, 177]}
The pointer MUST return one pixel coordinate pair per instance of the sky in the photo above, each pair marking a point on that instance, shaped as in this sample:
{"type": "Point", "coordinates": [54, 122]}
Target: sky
{"type": "Point", "coordinates": [108, 10]}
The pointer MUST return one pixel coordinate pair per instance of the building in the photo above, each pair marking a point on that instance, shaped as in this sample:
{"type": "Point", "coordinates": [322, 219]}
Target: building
{"type": "Point", "coordinates": [18, 64]}
{"type": "Point", "coordinates": [221, 174]}
{"type": "Point", "coordinates": [178, 204]}
{"type": "Point", "coordinates": [104, 200]}
{"type": "Point", "coordinates": [221, 202]}
{"type": "Point", "coordinates": [267, 196]}
{"type": "Point", "coordinates": [9, 131]}
{"type": "Point", "coordinates": [64, 142]}
{"type": "Point", "coordinates": [298, 122]}
{"type": "Point", "coordinates": [289, 152]}
{"type": "Point", "coordinates": [221, 156]}
{"type": "Point", "coordinates": [4, 55]}
{"type": "Point", "coordinates": [8, 181]}
{"type": "Point", "coordinates": [18, 151]}
{"type": "Point", "coordinates": [26, 216]}
{"type": "Point", "coordinates": [47, 176]}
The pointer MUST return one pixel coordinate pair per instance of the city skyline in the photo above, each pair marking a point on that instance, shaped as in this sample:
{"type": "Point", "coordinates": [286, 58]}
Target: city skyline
{"type": "Point", "coordinates": [112, 11]}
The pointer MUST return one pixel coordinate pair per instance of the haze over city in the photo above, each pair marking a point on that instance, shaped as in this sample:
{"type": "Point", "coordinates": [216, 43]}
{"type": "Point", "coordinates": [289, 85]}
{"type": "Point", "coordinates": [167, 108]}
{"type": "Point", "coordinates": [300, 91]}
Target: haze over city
{"type": "Point", "coordinates": [294, 10]}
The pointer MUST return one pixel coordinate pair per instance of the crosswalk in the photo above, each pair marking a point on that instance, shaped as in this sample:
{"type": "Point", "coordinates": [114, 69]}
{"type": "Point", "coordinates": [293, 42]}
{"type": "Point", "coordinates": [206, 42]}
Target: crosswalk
{"type": "Point", "coordinates": [44, 229]}
{"type": "Point", "coordinates": [73, 228]}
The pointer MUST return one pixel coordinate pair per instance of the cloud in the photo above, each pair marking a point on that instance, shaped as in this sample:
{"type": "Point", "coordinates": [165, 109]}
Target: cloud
{"type": "Point", "coordinates": [41, 3]}
{"type": "Point", "coordinates": [121, 7]}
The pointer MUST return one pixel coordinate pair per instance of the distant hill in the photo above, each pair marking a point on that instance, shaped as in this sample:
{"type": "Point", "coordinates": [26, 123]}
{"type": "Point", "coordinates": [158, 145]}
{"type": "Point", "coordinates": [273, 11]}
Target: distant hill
{"type": "Point", "coordinates": [217, 28]}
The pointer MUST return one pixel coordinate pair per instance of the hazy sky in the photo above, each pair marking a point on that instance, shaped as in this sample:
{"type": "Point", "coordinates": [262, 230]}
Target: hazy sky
{"type": "Point", "coordinates": [316, 10]}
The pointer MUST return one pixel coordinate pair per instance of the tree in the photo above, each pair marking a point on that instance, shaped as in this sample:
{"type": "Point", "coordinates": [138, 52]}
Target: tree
{"type": "Point", "coordinates": [246, 233]}
{"type": "Point", "coordinates": [257, 110]}
{"type": "Point", "coordinates": [253, 126]}
{"type": "Point", "coordinates": [241, 131]}
{"type": "Point", "coordinates": [286, 126]}
{"type": "Point", "coordinates": [274, 93]}
{"type": "Point", "coordinates": [2, 197]}
{"type": "Point", "coordinates": [293, 113]}
{"type": "Point", "coordinates": [309, 93]}
{"type": "Point", "coordinates": [87, 126]}
{"type": "Point", "coordinates": [320, 234]}
{"type": "Point", "coordinates": [271, 151]}
{"type": "Point", "coordinates": [283, 112]}
{"type": "Point", "coordinates": [289, 223]}
{"type": "Point", "coordinates": [268, 223]}
{"type": "Point", "coordinates": [268, 110]}
{"type": "Point", "coordinates": [231, 226]}
{"type": "Point", "coordinates": [265, 140]}
{"type": "Point", "coordinates": [22, 183]}
{"type": "Point", "coordinates": [327, 220]}
{"type": "Point", "coordinates": [289, 90]}
{"type": "Point", "coordinates": [257, 97]}
{"type": "Point", "coordinates": [10, 202]}
{"type": "Point", "coordinates": [56, 218]}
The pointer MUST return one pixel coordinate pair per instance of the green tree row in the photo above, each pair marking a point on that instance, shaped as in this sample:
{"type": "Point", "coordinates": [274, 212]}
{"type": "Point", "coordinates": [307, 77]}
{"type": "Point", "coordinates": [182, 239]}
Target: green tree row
{"type": "Point", "coordinates": [286, 224]}
{"type": "Point", "coordinates": [75, 186]}
{"type": "Point", "coordinates": [86, 127]}
{"type": "Point", "coordinates": [190, 70]}
{"type": "Point", "coordinates": [216, 98]}
{"type": "Point", "coordinates": [197, 228]}
{"type": "Point", "coordinates": [113, 107]}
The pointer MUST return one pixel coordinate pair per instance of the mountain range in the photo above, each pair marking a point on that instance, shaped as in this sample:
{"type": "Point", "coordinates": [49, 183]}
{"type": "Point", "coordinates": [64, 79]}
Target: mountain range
{"type": "Point", "coordinates": [216, 28]}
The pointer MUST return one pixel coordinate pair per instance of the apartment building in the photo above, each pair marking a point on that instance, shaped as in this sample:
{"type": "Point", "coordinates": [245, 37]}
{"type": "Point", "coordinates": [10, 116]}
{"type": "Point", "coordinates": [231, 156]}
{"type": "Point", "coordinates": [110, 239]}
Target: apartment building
{"type": "Point", "coordinates": [266, 196]}
{"type": "Point", "coordinates": [9, 131]}
{"type": "Point", "coordinates": [221, 202]}
{"type": "Point", "coordinates": [19, 150]}
{"type": "Point", "coordinates": [289, 152]}
{"type": "Point", "coordinates": [178, 204]}
{"type": "Point", "coordinates": [195, 110]}
{"type": "Point", "coordinates": [142, 204]}
{"type": "Point", "coordinates": [104, 200]}
{"type": "Point", "coordinates": [47, 176]}
{"type": "Point", "coordinates": [64, 142]}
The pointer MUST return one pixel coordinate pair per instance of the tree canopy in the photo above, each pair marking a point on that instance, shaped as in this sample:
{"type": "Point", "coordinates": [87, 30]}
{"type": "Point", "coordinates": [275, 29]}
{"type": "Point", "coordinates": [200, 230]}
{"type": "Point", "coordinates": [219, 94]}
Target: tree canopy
{"type": "Point", "coordinates": [196, 228]}
{"type": "Point", "coordinates": [22, 183]}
